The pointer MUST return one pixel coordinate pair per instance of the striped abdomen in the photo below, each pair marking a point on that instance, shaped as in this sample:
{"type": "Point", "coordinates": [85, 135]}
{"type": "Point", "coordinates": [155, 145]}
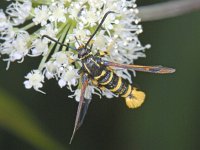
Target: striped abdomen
{"type": "Point", "coordinates": [114, 83]}
{"type": "Point", "coordinates": [118, 85]}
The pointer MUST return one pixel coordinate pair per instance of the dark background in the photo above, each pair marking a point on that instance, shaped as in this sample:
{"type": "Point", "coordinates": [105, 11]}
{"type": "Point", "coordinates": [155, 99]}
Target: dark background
{"type": "Point", "coordinates": [169, 119]}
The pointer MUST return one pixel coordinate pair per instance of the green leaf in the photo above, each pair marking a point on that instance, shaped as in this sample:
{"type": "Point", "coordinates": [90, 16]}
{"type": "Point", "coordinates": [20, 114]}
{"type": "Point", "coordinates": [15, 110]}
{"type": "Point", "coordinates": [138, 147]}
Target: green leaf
{"type": "Point", "coordinates": [16, 118]}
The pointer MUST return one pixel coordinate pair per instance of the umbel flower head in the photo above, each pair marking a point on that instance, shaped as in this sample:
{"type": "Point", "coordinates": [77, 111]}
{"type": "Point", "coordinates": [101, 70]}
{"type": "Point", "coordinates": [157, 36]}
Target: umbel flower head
{"type": "Point", "coordinates": [24, 22]}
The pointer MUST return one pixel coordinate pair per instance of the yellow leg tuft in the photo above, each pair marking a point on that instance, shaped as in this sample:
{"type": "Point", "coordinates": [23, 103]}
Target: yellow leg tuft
{"type": "Point", "coordinates": [135, 99]}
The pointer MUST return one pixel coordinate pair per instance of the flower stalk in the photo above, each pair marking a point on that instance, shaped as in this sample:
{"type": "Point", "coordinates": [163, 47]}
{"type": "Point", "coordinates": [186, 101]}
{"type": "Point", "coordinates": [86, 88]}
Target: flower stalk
{"type": "Point", "coordinates": [168, 9]}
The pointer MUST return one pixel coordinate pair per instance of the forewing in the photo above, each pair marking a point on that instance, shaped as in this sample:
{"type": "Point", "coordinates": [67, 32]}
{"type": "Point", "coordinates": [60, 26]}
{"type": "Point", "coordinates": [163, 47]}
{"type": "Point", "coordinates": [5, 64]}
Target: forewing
{"type": "Point", "coordinates": [83, 112]}
{"type": "Point", "coordinates": [151, 69]}
{"type": "Point", "coordinates": [82, 107]}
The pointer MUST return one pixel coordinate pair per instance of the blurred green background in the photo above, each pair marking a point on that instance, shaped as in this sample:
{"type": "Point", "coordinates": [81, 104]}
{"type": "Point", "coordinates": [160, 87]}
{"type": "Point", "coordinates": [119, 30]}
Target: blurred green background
{"type": "Point", "coordinates": [169, 119]}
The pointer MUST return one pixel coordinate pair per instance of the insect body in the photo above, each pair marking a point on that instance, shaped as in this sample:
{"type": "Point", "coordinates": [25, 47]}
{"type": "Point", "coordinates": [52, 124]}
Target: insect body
{"type": "Point", "coordinates": [101, 72]}
{"type": "Point", "coordinates": [97, 69]}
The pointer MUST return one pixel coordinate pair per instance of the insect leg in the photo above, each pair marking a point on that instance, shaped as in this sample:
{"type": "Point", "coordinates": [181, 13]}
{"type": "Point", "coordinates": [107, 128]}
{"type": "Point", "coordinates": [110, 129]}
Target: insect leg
{"type": "Point", "coordinates": [56, 41]}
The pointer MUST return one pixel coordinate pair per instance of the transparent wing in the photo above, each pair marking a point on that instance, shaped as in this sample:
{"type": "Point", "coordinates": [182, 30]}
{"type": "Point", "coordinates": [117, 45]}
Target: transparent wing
{"type": "Point", "coordinates": [83, 112]}
{"type": "Point", "coordinates": [82, 107]}
{"type": "Point", "coordinates": [151, 69]}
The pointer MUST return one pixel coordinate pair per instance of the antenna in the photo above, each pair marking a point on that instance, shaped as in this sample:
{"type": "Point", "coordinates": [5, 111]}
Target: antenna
{"type": "Point", "coordinates": [102, 21]}
{"type": "Point", "coordinates": [77, 40]}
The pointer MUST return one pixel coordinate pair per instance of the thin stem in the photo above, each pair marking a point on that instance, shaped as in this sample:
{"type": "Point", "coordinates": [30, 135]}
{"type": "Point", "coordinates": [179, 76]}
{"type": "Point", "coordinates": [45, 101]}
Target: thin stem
{"type": "Point", "coordinates": [168, 9]}
{"type": "Point", "coordinates": [64, 32]}
{"type": "Point", "coordinates": [61, 30]}
{"type": "Point", "coordinates": [50, 48]}
{"type": "Point", "coordinates": [28, 26]}
{"type": "Point", "coordinates": [47, 2]}
{"type": "Point", "coordinates": [45, 57]}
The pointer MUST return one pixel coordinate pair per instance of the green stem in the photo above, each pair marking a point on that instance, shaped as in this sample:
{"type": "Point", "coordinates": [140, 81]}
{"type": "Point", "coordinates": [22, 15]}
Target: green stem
{"type": "Point", "coordinates": [45, 57]}
{"type": "Point", "coordinates": [168, 9]}
{"type": "Point", "coordinates": [64, 32]}
{"type": "Point", "coordinates": [42, 2]}
{"type": "Point", "coordinates": [28, 26]}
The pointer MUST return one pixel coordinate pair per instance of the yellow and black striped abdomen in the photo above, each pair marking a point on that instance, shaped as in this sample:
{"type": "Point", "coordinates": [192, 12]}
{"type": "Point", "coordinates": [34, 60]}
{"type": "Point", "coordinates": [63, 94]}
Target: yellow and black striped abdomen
{"type": "Point", "coordinates": [118, 85]}
{"type": "Point", "coordinates": [114, 83]}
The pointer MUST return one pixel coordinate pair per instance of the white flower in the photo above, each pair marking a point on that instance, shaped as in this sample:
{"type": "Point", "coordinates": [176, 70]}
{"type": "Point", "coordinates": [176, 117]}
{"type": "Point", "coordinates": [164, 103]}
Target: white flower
{"type": "Point", "coordinates": [39, 47]}
{"type": "Point", "coordinates": [49, 30]}
{"type": "Point", "coordinates": [35, 80]}
{"type": "Point", "coordinates": [4, 22]}
{"type": "Point", "coordinates": [90, 17]}
{"type": "Point", "coordinates": [81, 34]}
{"type": "Point", "coordinates": [69, 77]}
{"type": "Point", "coordinates": [60, 58]}
{"type": "Point", "coordinates": [58, 12]}
{"type": "Point", "coordinates": [18, 12]}
{"type": "Point", "coordinates": [110, 20]}
{"type": "Point", "coordinates": [50, 69]}
{"type": "Point", "coordinates": [98, 4]}
{"type": "Point", "coordinates": [20, 46]}
{"type": "Point", "coordinates": [41, 15]}
{"type": "Point", "coordinates": [101, 41]}
{"type": "Point", "coordinates": [6, 29]}
{"type": "Point", "coordinates": [74, 10]}
{"type": "Point", "coordinates": [77, 95]}
{"type": "Point", "coordinates": [17, 47]}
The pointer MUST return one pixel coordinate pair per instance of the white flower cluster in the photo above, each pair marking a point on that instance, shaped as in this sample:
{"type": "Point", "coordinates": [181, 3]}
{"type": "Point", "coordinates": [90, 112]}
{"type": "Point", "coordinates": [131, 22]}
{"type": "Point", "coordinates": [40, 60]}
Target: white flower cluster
{"type": "Point", "coordinates": [24, 22]}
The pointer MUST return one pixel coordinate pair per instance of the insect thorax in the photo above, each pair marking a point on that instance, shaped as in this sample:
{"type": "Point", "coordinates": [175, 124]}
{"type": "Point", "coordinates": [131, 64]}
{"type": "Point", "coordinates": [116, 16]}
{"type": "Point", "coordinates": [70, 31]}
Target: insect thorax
{"type": "Point", "coordinates": [92, 65]}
